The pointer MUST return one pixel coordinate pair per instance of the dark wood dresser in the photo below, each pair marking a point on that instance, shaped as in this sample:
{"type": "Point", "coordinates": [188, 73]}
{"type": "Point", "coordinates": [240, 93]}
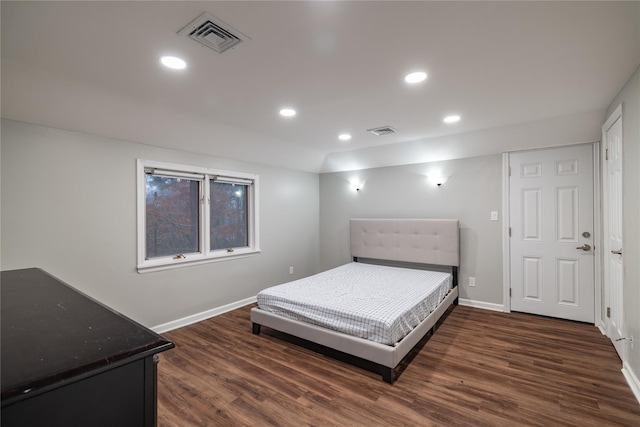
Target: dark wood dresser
{"type": "Point", "coordinates": [68, 360]}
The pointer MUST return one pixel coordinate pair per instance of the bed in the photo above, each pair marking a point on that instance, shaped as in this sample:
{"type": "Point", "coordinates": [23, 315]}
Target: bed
{"type": "Point", "coordinates": [409, 253]}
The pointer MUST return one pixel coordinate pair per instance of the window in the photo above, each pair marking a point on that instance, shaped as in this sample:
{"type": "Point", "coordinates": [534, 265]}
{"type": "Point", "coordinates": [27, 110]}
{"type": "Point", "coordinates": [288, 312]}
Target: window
{"type": "Point", "coordinates": [190, 215]}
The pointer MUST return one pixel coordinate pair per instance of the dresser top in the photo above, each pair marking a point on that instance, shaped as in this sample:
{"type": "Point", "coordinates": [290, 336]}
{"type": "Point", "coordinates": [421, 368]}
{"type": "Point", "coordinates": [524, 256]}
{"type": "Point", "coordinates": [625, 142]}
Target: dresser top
{"type": "Point", "coordinates": [53, 334]}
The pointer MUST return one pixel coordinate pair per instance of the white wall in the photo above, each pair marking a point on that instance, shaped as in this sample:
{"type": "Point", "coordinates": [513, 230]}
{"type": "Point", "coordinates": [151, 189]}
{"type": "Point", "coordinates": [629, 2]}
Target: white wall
{"type": "Point", "coordinates": [69, 207]}
{"type": "Point", "coordinates": [472, 191]}
{"type": "Point", "coordinates": [552, 132]}
{"type": "Point", "coordinates": [629, 97]}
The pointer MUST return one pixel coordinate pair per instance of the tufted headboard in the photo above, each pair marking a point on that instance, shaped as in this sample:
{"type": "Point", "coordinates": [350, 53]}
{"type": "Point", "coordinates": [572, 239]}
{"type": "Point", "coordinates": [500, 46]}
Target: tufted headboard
{"type": "Point", "coordinates": [425, 241]}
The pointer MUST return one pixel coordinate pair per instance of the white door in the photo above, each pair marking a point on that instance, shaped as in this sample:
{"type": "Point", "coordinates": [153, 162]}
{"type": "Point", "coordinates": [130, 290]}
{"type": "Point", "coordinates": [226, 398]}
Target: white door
{"type": "Point", "coordinates": [551, 220]}
{"type": "Point", "coordinates": [612, 176]}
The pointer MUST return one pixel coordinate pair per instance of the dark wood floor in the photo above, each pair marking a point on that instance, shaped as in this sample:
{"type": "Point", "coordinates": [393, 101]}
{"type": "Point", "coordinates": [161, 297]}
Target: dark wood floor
{"type": "Point", "coordinates": [480, 368]}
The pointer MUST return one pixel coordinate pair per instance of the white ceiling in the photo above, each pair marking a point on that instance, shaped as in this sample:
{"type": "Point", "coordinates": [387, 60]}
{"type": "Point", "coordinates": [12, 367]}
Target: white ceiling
{"type": "Point", "coordinates": [524, 67]}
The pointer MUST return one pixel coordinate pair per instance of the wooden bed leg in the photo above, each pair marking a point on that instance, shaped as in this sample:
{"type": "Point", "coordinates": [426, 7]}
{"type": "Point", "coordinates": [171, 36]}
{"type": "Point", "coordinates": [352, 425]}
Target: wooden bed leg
{"type": "Point", "coordinates": [387, 374]}
{"type": "Point", "coordinates": [256, 329]}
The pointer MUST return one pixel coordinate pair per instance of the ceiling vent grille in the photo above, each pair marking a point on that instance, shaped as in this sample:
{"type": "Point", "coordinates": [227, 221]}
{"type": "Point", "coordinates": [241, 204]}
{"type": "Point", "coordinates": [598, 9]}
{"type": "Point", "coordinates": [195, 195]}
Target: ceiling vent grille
{"type": "Point", "coordinates": [384, 130]}
{"type": "Point", "coordinates": [212, 33]}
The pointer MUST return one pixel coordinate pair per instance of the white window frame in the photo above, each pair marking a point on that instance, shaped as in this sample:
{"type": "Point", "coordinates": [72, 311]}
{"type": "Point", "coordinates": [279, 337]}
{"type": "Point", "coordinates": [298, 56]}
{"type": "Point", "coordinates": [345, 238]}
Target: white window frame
{"type": "Point", "coordinates": [205, 254]}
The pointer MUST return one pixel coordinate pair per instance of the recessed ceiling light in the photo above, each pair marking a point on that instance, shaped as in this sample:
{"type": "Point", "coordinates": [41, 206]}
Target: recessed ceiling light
{"type": "Point", "coordinates": [344, 136]}
{"type": "Point", "coordinates": [416, 77]}
{"type": "Point", "coordinates": [288, 112]}
{"type": "Point", "coordinates": [451, 119]}
{"type": "Point", "coordinates": [173, 62]}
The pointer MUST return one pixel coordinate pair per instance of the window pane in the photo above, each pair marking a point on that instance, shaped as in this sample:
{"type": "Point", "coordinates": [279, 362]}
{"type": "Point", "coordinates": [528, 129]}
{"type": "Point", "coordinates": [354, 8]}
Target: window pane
{"type": "Point", "coordinates": [229, 227]}
{"type": "Point", "coordinates": [172, 216]}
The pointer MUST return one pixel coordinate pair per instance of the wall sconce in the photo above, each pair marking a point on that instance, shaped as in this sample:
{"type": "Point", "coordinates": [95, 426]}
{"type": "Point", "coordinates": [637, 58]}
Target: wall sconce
{"type": "Point", "coordinates": [437, 179]}
{"type": "Point", "coordinates": [355, 184]}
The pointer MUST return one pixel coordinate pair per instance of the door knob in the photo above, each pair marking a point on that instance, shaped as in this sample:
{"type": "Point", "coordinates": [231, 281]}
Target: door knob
{"type": "Point", "coordinates": [585, 247]}
{"type": "Point", "coordinates": [618, 252]}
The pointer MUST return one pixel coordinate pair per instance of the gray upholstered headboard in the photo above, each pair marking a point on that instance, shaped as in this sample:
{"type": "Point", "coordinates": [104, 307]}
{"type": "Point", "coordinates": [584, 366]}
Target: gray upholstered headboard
{"type": "Point", "coordinates": [426, 241]}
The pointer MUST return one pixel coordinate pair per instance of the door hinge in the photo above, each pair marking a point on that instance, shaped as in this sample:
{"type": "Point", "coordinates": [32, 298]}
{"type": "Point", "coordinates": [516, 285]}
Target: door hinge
{"type": "Point", "coordinates": [509, 231]}
{"type": "Point", "coordinates": [509, 292]}
{"type": "Point", "coordinates": [509, 170]}
{"type": "Point", "coordinates": [606, 154]}
{"type": "Point", "coordinates": [608, 311]}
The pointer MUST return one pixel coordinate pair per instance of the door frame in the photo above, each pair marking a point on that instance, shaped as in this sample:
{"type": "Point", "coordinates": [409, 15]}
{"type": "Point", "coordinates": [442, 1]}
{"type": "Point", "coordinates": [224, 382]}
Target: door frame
{"type": "Point", "coordinates": [597, 228]}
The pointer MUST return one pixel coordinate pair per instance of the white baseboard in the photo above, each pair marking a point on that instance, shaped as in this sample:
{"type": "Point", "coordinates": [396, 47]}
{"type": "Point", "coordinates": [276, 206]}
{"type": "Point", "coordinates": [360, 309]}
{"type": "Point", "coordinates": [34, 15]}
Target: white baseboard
{"type": "Point", "coordinates": [632, 380]}
{"type": "Point", "coordinates": [194, 318]}
{"type": "Point", "coordinates": [481, 304]}
{"type": "Point", "coordinates": [600, 325]}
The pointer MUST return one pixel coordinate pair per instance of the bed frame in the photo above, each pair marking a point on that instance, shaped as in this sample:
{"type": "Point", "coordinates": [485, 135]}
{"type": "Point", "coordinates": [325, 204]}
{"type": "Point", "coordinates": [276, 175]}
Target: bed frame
{"type": "Point", "coordinates": [422, 241]}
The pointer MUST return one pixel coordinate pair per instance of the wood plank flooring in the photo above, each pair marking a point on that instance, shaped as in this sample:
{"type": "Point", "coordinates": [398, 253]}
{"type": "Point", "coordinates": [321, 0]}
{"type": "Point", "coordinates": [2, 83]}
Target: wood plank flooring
{"type": "Point", "coordinates": [480, 368]}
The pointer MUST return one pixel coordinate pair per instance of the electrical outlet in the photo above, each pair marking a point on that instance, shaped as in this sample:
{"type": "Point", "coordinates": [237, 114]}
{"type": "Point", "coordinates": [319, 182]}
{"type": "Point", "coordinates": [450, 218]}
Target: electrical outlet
{"type": "Point", "coordinates": [472, 282]}
{"type": "Point", "coordinates": [291, 270]}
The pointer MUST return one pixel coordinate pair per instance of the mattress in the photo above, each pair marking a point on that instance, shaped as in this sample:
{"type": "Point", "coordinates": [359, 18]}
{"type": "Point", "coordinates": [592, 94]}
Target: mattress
{"type": "Point", "coordinates": [379, 303]}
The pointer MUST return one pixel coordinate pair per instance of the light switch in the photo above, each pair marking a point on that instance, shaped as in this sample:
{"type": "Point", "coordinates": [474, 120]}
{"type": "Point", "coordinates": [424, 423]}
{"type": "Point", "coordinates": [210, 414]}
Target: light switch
{"type": "Point", "coordinates": [494, 215]}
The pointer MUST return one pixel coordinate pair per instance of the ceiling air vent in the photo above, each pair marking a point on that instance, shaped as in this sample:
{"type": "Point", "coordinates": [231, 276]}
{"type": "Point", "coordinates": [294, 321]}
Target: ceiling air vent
{"type": "Point", "coordinates": [212, 33]}
{"type": "Point", "coordinates": [384, 130]}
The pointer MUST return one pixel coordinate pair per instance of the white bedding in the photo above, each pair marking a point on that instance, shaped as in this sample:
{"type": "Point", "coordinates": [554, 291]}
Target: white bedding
{"type": "Point", "coordinates": [378, 303]}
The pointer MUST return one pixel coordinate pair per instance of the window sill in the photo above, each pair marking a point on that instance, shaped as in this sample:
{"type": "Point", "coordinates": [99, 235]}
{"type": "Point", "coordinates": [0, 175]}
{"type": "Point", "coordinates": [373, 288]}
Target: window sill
{"type": "Point", "coordinates": [170, 265]}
